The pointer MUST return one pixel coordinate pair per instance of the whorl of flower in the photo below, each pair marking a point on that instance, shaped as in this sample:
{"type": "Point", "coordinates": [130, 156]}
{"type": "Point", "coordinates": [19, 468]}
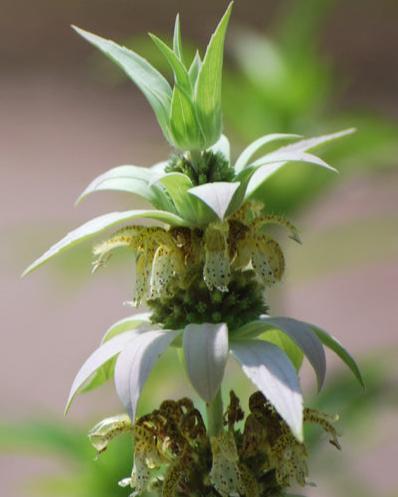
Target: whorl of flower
{"type": "Point", "coordinates": [166, 259]}
{"type": "Point", "coordinates": [203, 272]}
{"type": "Point", "coordinates": [262, 459]}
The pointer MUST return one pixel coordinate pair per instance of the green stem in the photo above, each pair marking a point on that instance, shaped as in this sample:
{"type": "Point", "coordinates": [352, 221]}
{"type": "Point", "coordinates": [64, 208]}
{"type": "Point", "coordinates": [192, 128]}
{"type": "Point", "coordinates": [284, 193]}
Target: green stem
{"type": "Point", "coordinates": [196, 159]}
{"type": "Point", "coordinates": [214, 412]}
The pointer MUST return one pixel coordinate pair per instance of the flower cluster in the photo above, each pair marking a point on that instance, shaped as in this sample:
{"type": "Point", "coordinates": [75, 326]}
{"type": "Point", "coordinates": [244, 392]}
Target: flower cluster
{"type": "Point", "coordinates": [174, 454]}
{"type": "Point", "coordinates": [203, 270]}
{"type": "Point", "coordinates": [169, 259]}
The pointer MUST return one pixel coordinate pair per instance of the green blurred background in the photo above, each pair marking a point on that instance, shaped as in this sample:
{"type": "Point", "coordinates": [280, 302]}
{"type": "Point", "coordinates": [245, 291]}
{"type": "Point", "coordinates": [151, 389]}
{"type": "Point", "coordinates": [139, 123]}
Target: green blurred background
{"type": "Point", "coordinates": [303, 66]}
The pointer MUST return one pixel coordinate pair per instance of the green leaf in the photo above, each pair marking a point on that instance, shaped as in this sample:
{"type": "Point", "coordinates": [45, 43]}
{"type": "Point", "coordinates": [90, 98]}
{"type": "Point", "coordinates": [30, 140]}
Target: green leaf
{"type": "Point", "coordinates": [244, 158]}
{"type": "Point", "coordinates": [208, 84]}
{"type": "Point", "coordinates": [152, 84]}
{"type": "Point", "coordinates": [284, 156]}
{"type": "Point", "coordinates": [180, 72]}
{"type": "Point", "coordinates": [132, 179]}
{"type": "Point", "coordinates": [300, 332]}
{"type": "Point", "coordinates": [218, 196]}
{"type": "Point", "coordinates": [286, 344]}
{"type": "Point", "coordinates": [311, 143]}
{"type": "Point", "coordinates": [185, 128]}
{"type": "Point", "coordinates": [126, 324]}
{"type": "Point", "coordinates": [333, 344]}
{"type": "Point", "coordinates": [177, 42]}
{"type": "Point", "coordinates": [268, 165]}
{"type": "Point", "coordinates": [98, 225]}
{"type": "Point", "coordinates": [190, 208]}
{"type": "Point", "coordinates": [195, 68]}
{"type": "Point", "coordinates": [257, 329]}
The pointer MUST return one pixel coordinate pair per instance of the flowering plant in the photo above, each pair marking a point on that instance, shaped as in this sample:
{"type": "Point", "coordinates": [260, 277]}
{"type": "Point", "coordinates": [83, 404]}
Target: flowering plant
{"type": "Point", "coordinates": [203, 273]}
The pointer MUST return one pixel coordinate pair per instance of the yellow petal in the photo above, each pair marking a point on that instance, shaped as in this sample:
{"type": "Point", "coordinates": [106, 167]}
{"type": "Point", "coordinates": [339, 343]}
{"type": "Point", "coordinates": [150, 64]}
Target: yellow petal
{"type": "Point", "coordinates": [107, 429]}
{"type": "Point", "coordinates": [217, 271]}
{"type": "Point", "coordinates": [225, 475]}
{"type": "Point", "coordinates": [267, 259]}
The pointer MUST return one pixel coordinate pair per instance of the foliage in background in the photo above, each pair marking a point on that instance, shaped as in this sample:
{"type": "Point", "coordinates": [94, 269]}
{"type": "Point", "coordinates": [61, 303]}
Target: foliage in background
{"type": "Point", "coordinates": [283, 82]}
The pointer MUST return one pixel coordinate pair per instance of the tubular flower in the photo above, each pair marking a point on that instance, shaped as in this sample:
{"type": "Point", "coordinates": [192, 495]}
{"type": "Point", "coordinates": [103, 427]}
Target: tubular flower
{"type": "Point", "coordinates": [203, 270]}
{"type": "Point", "coordinates": [262, 459]}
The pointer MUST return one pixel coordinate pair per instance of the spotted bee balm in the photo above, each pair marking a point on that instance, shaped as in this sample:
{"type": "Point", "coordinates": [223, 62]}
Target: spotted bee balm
{"type": "Point", "coordinates": [203, 270]}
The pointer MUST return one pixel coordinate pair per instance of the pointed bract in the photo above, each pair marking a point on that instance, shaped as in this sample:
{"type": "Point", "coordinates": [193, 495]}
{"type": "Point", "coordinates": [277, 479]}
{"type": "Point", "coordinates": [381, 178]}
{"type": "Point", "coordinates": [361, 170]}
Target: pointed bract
{"type": "Point", "coordinates": [274, 375]}
{"type": "Point", "coordinates": [208, 84]}
{"type": "Point", "coordinates": [206, 352]}
{"type": "Point", "coordinates": [97, 359]}
{"type": "Point", "coordinates": [152, 84]}
{"type": "Point", "coordinates": [136, 362]}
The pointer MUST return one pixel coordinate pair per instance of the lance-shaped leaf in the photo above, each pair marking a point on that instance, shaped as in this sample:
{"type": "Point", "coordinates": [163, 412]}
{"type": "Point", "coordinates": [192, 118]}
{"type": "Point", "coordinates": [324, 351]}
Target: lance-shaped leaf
{"type": "Point", "coordinates": [98, 225]}
{"type": "Point", "coordinates": [254, 329]}
{"type": "Point", "coordinates": [274, 375]}
{"type": "Point", "coordinates": [152, 84]}
{"type": "Point", "coordinates": [333, 344]}
{"type": "Point", "coordinates": [301, 333]}
{"type": "Point", "coordinates": [206, 352]}
{"type": "Point", "coordinates": [131, 179]}
{"type": "Point", "coordinates": [106, 371]}
{"type": "Point", "coordinates": [218, 196]}
{"type": "Point", "coordinates": [270, 164]}
{"type": "Point", "coordinates": [136, 362]}
{"type": "Point", "coordinates": [244, 158]}
{"type": "Point", "coordinates": [188, 207]}
{"type": "Point", "coordinates": [177, 40]}
{"type": "Point", "coordinates": [223, 146]}
{"type": "Point", "coordinates": [184, 125]}
{"type": "Point", "coordinates": [97, 359]}
{"type": "Point", "coordinates": [288, 156]}
{"type": "Point", "coordinates": [180, 72]}
{"type": "Point", "coordinates": [311, 143]}
{"type": "Point", "coordinates": [285, 343]}
{"type": "Point", "coordinates": [195, 68]}
{"type": "Point", "coordinates": [208, 84]}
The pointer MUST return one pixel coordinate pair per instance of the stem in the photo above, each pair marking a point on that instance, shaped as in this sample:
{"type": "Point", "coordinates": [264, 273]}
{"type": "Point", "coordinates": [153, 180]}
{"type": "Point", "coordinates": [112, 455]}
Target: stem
{"type": "Point", "coordinates": [214, 412]}
{"type": "Point", "coordinates": [196, 159]}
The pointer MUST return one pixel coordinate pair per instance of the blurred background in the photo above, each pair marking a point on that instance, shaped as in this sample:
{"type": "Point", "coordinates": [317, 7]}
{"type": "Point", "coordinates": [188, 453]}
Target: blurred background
{"type": "Point", "coordinates": [308, 67]}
